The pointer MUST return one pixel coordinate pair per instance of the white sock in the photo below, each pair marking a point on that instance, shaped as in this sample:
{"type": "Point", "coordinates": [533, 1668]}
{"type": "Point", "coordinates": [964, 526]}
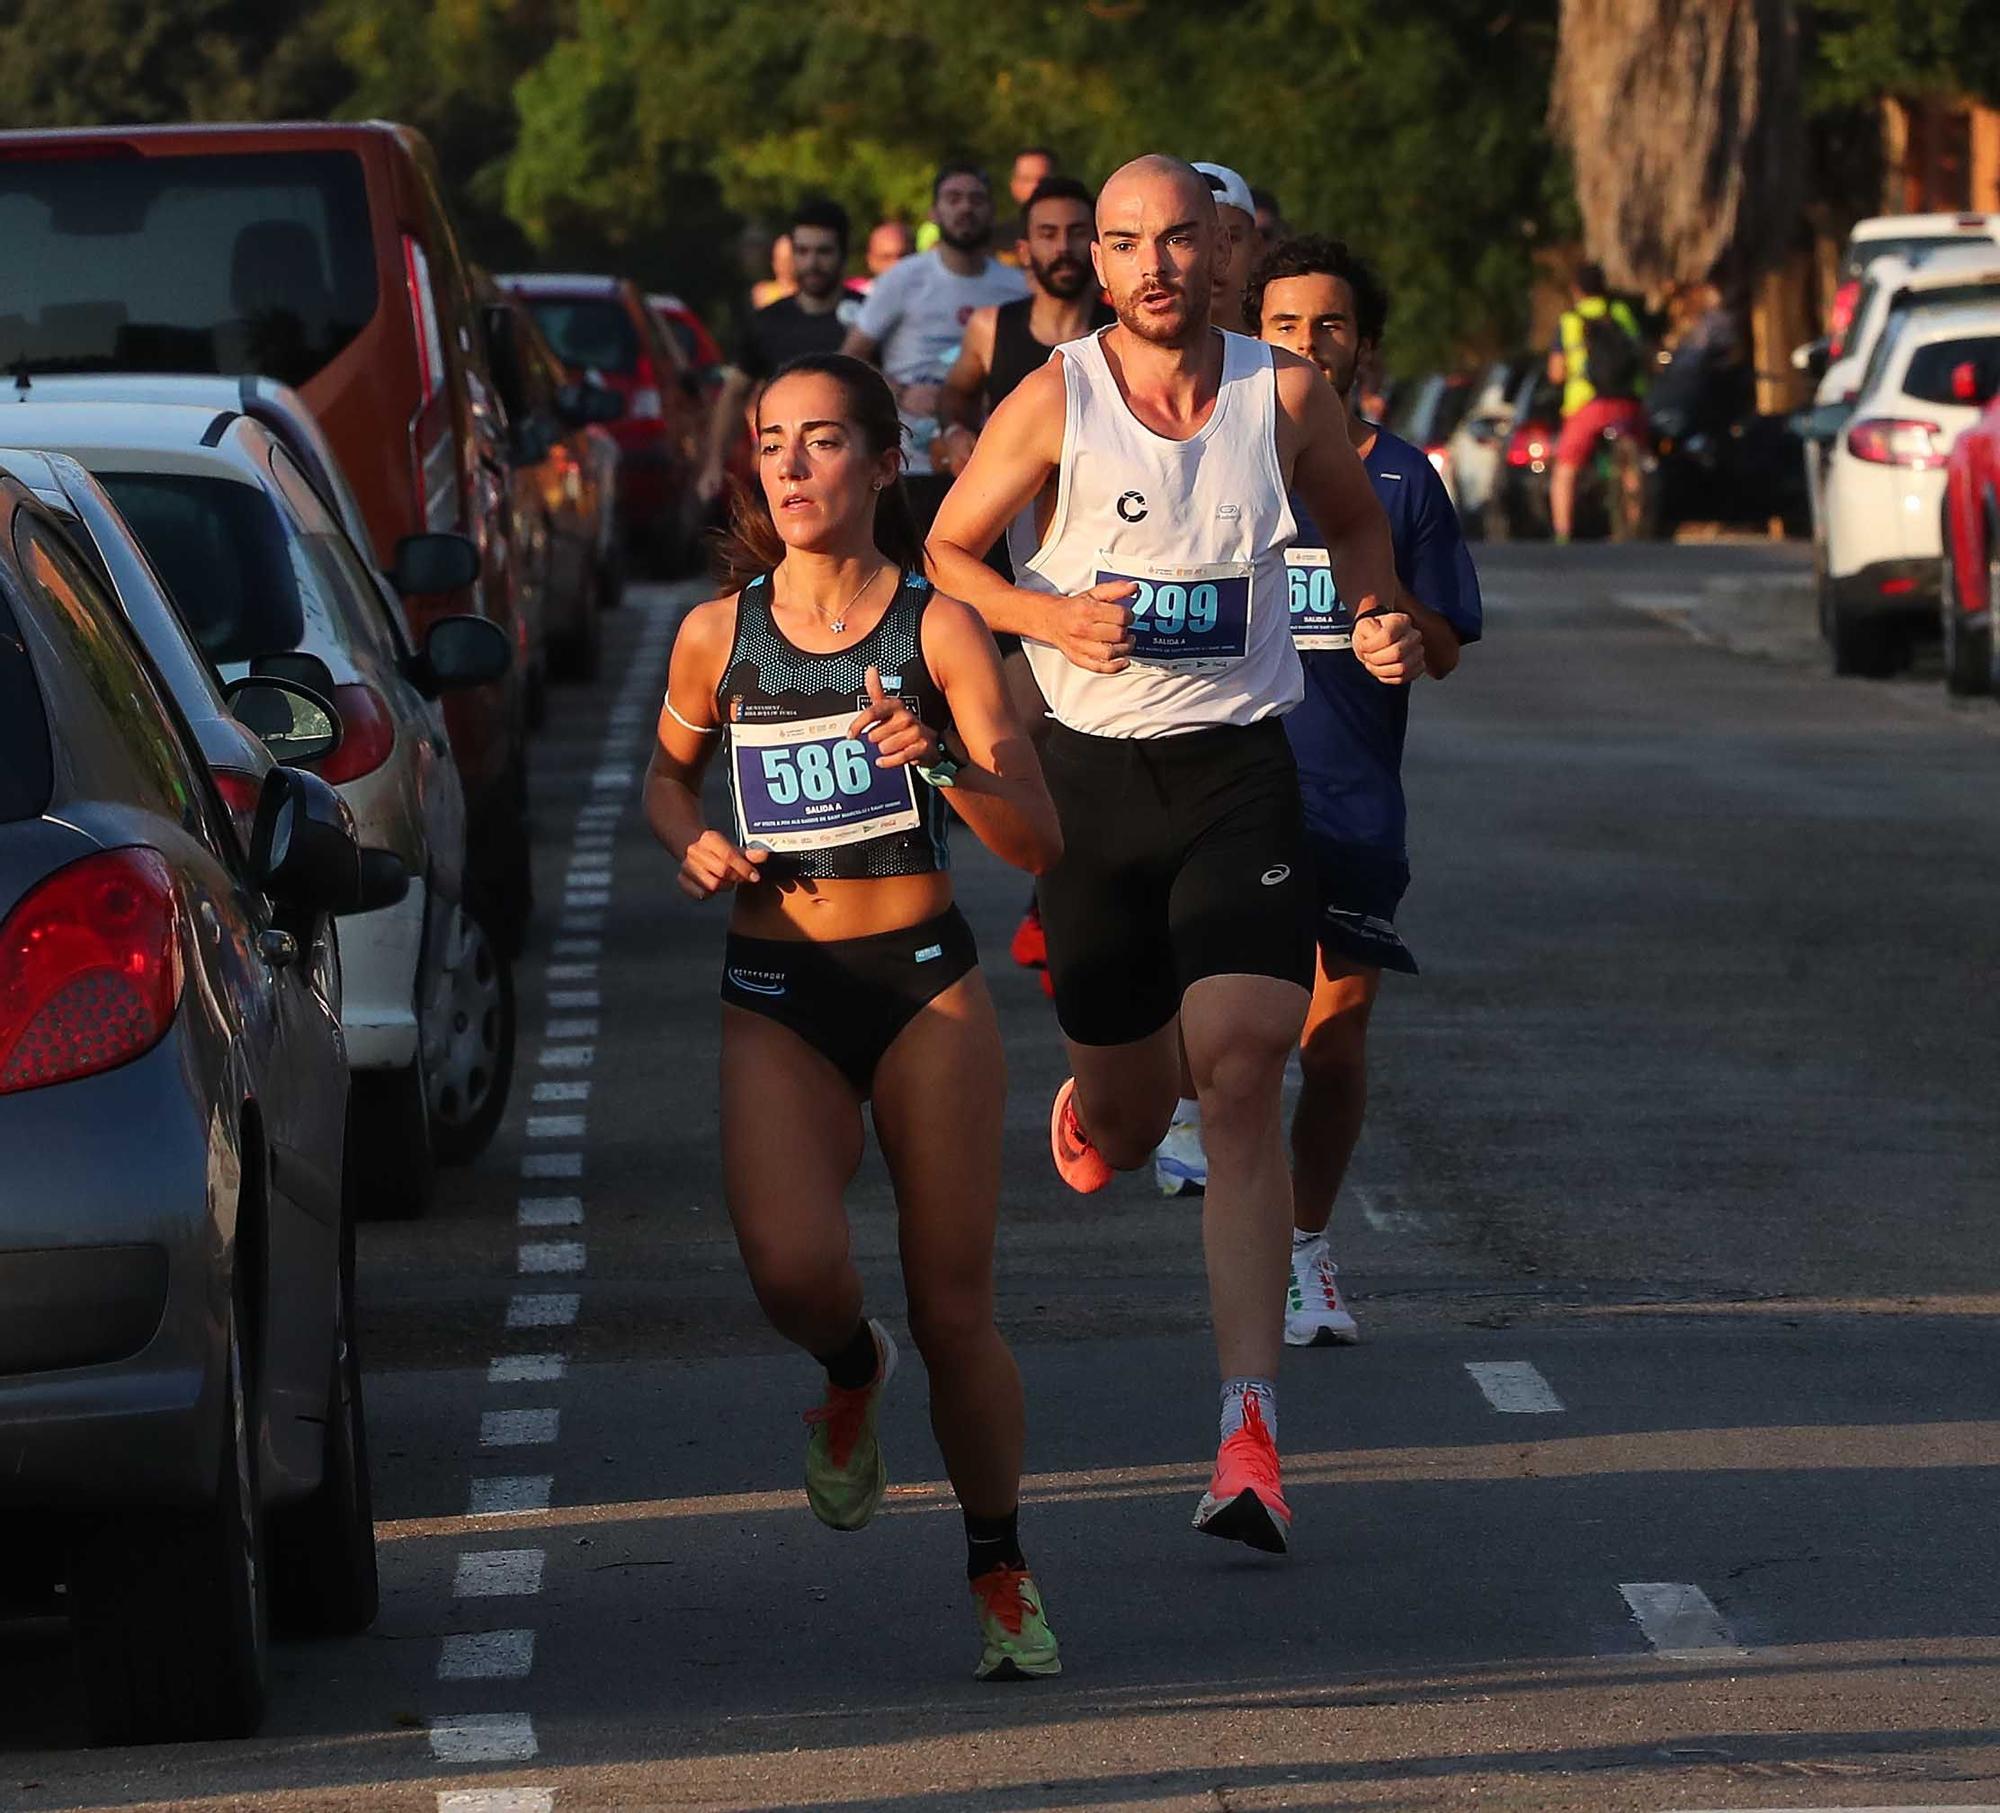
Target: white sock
{"type": "Point", "coordinates": [1235, 1391]}
{"type": "Point", "coordinates": [1301, 1238]}
{"type": "Point", "coordinates": [1187, 1110]}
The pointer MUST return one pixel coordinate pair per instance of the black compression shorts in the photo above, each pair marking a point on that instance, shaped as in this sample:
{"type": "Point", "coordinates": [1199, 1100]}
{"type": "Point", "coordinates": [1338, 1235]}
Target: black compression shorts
{"type": "Point", "coordinates": [1183, 857]}
{"type": "Point", "coordinates": [848, 998]}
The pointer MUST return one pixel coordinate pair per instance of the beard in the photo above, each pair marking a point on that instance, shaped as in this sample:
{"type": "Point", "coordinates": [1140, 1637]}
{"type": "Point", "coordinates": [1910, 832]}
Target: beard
{"type": "Point", "coordinates": [1179, 326]}
{"type": "Point", "coordinates": [966, 239]}
{"type": "Point", "coordinates": [1063, 277]}
{"type": "Point", "coordinates": [818, 284]}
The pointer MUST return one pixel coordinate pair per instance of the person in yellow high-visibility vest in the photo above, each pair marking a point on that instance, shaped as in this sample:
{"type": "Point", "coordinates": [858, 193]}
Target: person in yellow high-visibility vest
{"type": "Point", "coordinates": [1598, 361]}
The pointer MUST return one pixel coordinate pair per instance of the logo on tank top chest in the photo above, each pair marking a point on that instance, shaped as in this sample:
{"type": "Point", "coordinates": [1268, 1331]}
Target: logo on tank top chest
{"type": "Point", "coordinates": [1228, 512]}
{"type": "Point", "coordinates": [1131, 506]}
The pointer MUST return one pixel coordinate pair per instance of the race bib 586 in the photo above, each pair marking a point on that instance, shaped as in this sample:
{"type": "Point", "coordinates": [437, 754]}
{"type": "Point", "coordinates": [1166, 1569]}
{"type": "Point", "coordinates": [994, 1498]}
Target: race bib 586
{"type": "Point", "coordinates": [808, 785]}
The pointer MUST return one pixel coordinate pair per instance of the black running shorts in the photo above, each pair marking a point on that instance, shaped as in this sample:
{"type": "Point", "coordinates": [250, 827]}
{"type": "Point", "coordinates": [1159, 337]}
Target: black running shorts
{"type": "Point", "coordinates": [1183, 857]}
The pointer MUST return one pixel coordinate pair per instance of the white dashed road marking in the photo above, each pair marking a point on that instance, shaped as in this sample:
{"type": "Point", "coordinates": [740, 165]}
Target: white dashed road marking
{"type": "Point", "coordinates": [572, 998]}
{"type": "Point", "coordinates": [484, 1737]}
{"type": "Point", "coordinates": [556, 1310]}
{"type": "Point", "coordinates": [562, 1092]}
{"type": "Point", "coordinates": [571, 1029]}
{"type": "Point", "coordinates": [552, 1164]}
{"type": "Point", "coordinates": [525, 1369]}
{"type": "Point", "coordinates": [555, 1126]}
{"type": "Point", "coordinates": [497, 1800]}
{"type": "Point", "coordinates": [1680, 1620]}
{"type": "Point", "coordinates": [1514, 1386]}
{"type": "Point", "coordinates": [510, 1494]}
{"type": "Point", "coordinates": [568, 1057]}
{"type": "Point", "coordinates": [518, 1428]}
{"type": "Point", "coordinates": [497, 1574]}
{"type": "Point", "coordinates": [551, 1211]}
{"type": "Point", "coordinates": [578, 947]}
{"type": "Point", "coordinates": [487, 1655]}
{"type": "Point", "coordinates": [551, 1256]}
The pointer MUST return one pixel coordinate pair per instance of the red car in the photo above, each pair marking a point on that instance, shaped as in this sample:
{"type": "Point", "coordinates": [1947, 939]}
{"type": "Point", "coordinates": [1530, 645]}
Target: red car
{"type": "Point", "coordinates": [1970, 593]}
{"type": "Point", "coordinates": [603, 331]}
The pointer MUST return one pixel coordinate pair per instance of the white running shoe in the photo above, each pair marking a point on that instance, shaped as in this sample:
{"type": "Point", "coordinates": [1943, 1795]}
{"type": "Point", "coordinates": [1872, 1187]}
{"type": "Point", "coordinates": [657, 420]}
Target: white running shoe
{"type": "Point", "coordinates": [1179, 1163]}
{"type": "Point", "coordinates": [1315, 1313]}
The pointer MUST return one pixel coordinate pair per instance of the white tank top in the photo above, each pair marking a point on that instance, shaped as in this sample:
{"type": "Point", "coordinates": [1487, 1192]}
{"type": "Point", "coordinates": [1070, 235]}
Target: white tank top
{"type": "Point", "coordinates": [1202, 525]}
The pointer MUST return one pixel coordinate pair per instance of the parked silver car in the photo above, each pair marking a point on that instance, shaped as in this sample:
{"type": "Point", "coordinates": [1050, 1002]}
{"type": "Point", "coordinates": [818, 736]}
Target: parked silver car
{"type": "Point", "coordinates": [182, 1442]}
{"type": "Point", "coordinates": [267, 579]}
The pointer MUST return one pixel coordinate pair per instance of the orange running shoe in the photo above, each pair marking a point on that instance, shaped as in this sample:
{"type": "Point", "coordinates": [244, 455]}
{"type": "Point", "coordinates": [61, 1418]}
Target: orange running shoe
{"type": "Point", "coordinates": [1243, 1501]}
{"type": "Point", "coordinates": [1030, 948]}
{"type": "Point", "coordinates": [1078, 1163]}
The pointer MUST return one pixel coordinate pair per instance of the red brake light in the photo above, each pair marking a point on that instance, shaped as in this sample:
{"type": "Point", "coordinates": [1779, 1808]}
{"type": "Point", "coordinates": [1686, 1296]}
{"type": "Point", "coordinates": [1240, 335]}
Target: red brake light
{"type": "Point", "coordinates": [1840, 317]}
{"type": "Point", "coordinates": [1891, 441]}
{"type": "Point", "coordinates": [240, 793]}
{"type": "Point", "coordinates": [90, 969]}
{"type": "Point", "coordinates": [367, 735]}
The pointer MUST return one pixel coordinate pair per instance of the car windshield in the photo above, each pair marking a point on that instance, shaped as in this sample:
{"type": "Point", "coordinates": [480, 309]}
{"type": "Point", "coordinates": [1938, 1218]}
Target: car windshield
{"type": "Point", "coordinates": [1863, 252]}
{"type": "Point", "coordinates": [591, 332]}
{"type": "Point", "coordinates": [221, 550]}
{"type": "Point", "coordinates": [231, 264]}
{"type": "Point", "coordinates": [1930, 377]}
{"type": "Point", "coordinates": [27, 765]}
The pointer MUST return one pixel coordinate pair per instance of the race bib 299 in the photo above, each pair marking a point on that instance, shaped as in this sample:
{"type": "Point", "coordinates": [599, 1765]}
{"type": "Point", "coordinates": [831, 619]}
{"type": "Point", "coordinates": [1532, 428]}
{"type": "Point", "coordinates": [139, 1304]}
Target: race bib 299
{"type": "Point", "coordinates": [1191, 619]}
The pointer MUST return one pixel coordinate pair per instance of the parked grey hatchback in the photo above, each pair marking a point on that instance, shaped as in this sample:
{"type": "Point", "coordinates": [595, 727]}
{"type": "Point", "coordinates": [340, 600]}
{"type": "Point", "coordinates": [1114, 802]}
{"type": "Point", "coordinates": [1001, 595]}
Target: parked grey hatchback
{"type": "Point", "coordinates": [181, 1433]}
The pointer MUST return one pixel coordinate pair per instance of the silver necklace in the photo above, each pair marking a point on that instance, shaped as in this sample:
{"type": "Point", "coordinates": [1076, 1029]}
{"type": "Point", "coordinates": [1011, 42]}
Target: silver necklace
{"type": "Point", "coordinates": [838, 625]}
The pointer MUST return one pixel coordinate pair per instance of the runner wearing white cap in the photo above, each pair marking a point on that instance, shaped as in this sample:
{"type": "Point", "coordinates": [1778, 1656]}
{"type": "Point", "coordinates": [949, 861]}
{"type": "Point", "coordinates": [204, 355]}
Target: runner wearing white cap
{"type": "Point", "coordinates": [1236, 217]}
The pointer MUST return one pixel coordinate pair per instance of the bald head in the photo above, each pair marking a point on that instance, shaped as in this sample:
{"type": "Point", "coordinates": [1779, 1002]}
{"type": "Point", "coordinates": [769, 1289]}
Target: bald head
{"type": "Point", "coordinates": [1157, 242]}
{"type": "Point", "coordinates": [1156, 184]}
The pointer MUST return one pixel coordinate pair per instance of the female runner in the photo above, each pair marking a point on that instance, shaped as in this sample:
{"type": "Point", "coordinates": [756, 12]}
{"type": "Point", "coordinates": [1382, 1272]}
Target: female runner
{"type": "Point", "coordinates": [851, 704]}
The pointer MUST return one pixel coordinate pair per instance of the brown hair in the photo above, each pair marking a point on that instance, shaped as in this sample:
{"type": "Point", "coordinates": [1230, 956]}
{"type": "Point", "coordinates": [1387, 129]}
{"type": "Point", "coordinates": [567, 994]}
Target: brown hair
{"type": "Point", "coordinates": [751, 545]}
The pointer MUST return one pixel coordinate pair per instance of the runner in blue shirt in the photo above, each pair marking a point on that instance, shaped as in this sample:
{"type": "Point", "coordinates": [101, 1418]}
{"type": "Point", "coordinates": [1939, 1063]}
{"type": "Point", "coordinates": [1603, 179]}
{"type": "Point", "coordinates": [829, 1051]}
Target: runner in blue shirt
{"type": "Point", "coordinates": [1316, 298]}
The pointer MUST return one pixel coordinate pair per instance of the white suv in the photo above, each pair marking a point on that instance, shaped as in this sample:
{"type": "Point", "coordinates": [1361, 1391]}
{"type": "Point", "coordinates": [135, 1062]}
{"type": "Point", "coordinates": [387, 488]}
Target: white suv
{"type": "Point", "coordinates": [1885, 478]}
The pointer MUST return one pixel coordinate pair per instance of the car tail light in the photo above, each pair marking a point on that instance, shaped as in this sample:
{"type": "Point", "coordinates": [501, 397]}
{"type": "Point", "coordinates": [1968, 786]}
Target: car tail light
{"type": "Point", "coordinates": [1893, 441]}
{"type": "Point", "coordinates": [1527, 445]}
{"type": "Point", "coordinates": [1898, 586]}
{"type": "Point", "coordinates": [423, 316]}
{"type": "Point", "coordinates": [240, 793]}
{"type": "Point", "coordinates": [90, 969]}
{"type": "Point", "coordinates": [1840, 317]}
{"type": "Point", "coordinates": [367, 735]}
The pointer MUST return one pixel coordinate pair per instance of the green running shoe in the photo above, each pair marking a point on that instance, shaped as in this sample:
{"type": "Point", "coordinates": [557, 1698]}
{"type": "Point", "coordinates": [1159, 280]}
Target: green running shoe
{"type": "Point", "coordinates": [845, 1477]}
{"type": "Point", "coordinates": [1019, 1644]}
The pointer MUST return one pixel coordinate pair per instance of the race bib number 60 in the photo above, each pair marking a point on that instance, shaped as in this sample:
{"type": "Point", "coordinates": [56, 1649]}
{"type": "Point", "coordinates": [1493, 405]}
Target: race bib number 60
{"type": "Point", "coordinates": [1190, 619]}
{"type": "Point", "coordinates": [1319, 619]}
{"type": "Point", "coordinates": [808, 785]}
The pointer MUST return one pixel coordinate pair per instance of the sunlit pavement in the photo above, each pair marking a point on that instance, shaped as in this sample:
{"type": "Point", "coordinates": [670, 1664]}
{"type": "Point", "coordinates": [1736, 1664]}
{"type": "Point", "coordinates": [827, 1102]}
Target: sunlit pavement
{"type": "Point", "coordinates": [1663, 1479]}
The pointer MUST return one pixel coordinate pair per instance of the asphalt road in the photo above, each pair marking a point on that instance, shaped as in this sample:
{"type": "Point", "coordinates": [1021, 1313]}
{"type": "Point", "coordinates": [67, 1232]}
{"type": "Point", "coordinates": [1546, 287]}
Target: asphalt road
{"type": "Point", "coordinates": [1665, 1477]}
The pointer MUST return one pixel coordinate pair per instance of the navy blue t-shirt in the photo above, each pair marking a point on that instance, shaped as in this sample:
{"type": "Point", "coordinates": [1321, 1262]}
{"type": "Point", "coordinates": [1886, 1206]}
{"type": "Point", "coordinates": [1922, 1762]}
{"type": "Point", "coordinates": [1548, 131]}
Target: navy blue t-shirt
{"type": "Point", "coordinates": [1348, 732]}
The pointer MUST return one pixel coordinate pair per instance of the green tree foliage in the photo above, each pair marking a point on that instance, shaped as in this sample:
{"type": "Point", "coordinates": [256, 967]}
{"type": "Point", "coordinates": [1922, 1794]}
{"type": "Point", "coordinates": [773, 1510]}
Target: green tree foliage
{"type": "Point", "coordinates": [1862, 49]}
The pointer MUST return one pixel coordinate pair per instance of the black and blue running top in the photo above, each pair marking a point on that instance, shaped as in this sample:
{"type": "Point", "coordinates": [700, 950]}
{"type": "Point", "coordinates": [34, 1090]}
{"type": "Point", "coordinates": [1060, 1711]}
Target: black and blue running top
{"type": "Point", "coordinates": [799, 786]}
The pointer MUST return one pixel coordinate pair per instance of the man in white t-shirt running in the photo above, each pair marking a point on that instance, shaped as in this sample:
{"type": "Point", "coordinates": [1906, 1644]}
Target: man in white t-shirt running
{"type": "Point", "coordinates": [916, 310]}
{"type": "Point", "coordinates": [1154, 460]}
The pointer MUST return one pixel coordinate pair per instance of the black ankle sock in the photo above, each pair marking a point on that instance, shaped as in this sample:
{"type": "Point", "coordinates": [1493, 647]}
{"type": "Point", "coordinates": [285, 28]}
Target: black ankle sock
{"type": "Point", "coordinates": [992, 1542]}
{"type": "Point", "coordinates": [854, 1364]}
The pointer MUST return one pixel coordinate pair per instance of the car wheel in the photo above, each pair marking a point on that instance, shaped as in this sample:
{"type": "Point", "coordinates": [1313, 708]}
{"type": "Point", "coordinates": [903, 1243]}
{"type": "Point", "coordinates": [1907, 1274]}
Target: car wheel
{"type": "Point", "coordinates": [476, 1065]}
{"type": "Point", "coordinates": [168, 1605]}
{"type": "Point", "coordinates": [390, 1168]}
{"type": "Point", "coordinates": [1968, 649]}
{"type": "Point", "coordinates": [323, 1579]}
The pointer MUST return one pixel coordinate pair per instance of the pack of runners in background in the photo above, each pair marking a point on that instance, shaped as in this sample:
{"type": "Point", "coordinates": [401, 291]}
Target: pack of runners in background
{"type": "Point", "coordinates": [1211, 582]}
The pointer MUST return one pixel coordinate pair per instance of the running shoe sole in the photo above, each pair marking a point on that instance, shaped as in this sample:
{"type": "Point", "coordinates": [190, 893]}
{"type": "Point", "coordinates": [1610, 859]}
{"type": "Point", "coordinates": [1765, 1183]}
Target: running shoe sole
{"type": "Point", "coordinates": [1086, 1173]}
{"type": "Point", "coordinates": [1246, 1518]}
{"type": "Point", "coordinates": [1007, 1669]}
{"type": "Point", "coordinates": [1172, 1182]}
{"type": "Point", "coordinates": [1322, 1337]}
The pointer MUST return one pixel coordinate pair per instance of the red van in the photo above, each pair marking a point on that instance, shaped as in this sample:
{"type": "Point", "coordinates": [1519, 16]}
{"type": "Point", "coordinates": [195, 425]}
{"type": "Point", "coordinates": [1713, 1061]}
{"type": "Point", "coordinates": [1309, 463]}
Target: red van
{"type": "Point", "coordinates": [319, 255]}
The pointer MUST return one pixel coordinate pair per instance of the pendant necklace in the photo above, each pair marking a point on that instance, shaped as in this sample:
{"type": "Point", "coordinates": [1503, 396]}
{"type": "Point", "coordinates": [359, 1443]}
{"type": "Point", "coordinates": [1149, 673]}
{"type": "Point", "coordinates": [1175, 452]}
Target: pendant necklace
{"type": "Point", "coordinates": [838, 625]}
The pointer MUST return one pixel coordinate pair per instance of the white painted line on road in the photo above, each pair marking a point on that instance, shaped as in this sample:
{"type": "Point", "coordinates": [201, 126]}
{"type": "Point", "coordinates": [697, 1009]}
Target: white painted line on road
{"type": "Point", "coordinates": [1514, 1386]}
{"type": "Point", "coordinates": [508, 1494]}
{"type": "Point", "coordinates": [616, 774]}
{"type": "Point", "coordinates": [487, 1655]}
{"type": "Point", "coordinates": [552, 1164]}
{"type": "Point", "coordinates": [578, 947]}
{"type": "Point", "coordinates": [525, 1369]}
{"type": "Point", "coordinates": [567, 1057]}
{"type": "Point", "coordinates": [574, 997]}
{"type": "Point", "coordinates": [557, 1030]}
{"type": "Point", "coordinates": [484, 1737]}
{"type": "Point", "coordinates": [562, 1092]}
{"type": "Point", "coordinates": [551, 1211]}
{"type": "Point", "coordinates": [497, 1800]}
{"type": "Point", "coordinates": [570, 972]}
{"type": "Point", "coordinates": [497, 1574]}
{"type": "Point", "coordinates": [547, 1257]}
{"type": "Point", "coordinates": [556, 1310]}
{"type": "Point", "coordinates": [577, 898]}
{"type": "Point", "coordinates": [519, 1428]}
{"type": "Point", "coordinates": [581, 922]}
{"type": "Point", "coordinates": [579, 883]}
{"type": "Point", "coordinates": [1680, 1620]}
{"type": "Point", "coordinates": [555, 1126]}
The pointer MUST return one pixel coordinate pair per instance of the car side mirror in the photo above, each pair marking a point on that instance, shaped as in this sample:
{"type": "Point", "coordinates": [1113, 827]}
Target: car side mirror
{"type": "Point", "coordinates": [294, 723]}
{"type": "Point", "coordinates": [426, 564]}
{"type": "Point", "coordinates": [303, 852]}
{"type": "Point", "coordinates": [298, 666]}
{"type": "Point", "coordinates": [385, 880]}
{"type": "Point", "coordinates": [582, 404]}
{"type": "Point", "coordinates": [459, 651]}
{"type": "Point", "coordinates": [1812, 358]}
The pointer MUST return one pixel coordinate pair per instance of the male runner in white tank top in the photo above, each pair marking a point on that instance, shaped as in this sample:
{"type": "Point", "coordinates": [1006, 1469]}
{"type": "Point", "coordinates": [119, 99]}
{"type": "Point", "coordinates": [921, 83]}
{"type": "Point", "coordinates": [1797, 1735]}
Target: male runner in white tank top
{"type": "Point", "coordinates": [1154, 606]}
